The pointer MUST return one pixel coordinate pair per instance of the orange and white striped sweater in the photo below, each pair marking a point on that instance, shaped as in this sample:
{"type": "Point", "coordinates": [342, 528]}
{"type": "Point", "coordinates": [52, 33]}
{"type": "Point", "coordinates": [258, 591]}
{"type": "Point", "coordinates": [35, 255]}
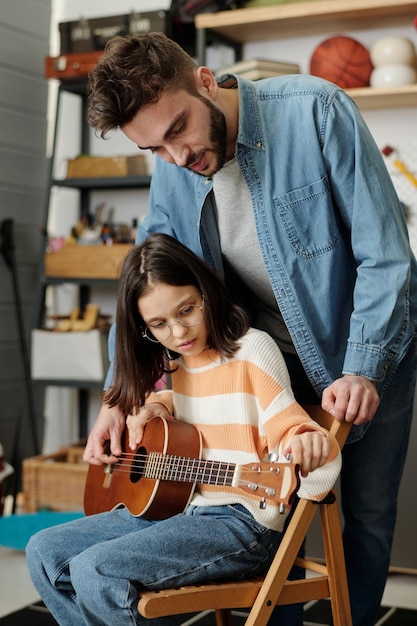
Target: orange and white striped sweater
{"type": "Point", "coordinates": [245, 409]}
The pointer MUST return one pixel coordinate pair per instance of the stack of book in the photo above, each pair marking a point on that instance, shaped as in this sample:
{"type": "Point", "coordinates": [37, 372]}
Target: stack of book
{"type": "Point", "coordinates": [254, 69]}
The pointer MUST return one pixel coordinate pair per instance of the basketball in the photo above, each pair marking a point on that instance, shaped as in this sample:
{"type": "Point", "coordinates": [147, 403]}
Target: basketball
{"type": "Point", "coordinates": [343, 61]}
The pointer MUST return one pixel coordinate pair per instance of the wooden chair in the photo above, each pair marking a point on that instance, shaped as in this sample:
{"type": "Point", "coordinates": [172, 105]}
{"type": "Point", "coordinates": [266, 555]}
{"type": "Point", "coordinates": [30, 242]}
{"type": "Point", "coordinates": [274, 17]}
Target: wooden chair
{"type": "Point", "coordinates": [262, 594]}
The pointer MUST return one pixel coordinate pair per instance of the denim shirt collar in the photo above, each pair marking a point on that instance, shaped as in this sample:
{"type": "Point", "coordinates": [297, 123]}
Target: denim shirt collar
{"type": "Point", "coordinates": [250, 135]}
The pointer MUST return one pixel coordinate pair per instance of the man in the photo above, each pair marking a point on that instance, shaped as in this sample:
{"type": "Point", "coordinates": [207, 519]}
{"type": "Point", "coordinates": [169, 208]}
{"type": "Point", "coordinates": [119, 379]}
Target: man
{"type": "Point", "coordinates": [279, 185]}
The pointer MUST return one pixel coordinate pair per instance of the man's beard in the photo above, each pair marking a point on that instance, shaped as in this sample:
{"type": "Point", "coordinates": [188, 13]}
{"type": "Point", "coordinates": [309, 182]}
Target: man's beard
{"type": "Point", "coordinates": [217, 136]}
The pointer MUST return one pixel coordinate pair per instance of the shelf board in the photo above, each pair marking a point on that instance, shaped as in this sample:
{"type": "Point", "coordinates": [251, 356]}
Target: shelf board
{"type": "Point", "coordinates": [372, 98]}
{"type": "Point", "coordinates": [307, 18]}
{"type": "Point", "coordinates": [79, 384]}
{"type": "Point", "coordinates": [80, 280]}
{"type": "Point", "coordinates": [110, 182]}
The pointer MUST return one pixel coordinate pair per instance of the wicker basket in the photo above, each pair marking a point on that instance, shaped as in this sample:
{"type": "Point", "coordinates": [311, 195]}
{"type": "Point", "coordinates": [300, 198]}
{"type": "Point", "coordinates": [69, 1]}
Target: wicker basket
{"type": "Point", "coordinates": [55, 481]}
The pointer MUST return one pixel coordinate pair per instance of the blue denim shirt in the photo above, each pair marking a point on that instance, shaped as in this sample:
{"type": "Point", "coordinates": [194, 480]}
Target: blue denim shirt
{"type": "Point", "coordinates": [330, 226]}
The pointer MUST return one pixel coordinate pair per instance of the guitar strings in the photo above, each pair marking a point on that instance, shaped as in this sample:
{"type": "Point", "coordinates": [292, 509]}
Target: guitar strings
{"type": "Point", "coordinates": [136, 465]}
{"type": "Point", "coordinates": [172, 465]}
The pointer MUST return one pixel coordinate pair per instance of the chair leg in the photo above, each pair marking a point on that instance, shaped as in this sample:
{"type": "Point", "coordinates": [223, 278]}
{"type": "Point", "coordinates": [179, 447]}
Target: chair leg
{"type": "Point", "coordinates": [280, 568]}
{"type": "Point", "coordinates": [335, 561]}
{"type": "Point", "coordinates": [224, 617]}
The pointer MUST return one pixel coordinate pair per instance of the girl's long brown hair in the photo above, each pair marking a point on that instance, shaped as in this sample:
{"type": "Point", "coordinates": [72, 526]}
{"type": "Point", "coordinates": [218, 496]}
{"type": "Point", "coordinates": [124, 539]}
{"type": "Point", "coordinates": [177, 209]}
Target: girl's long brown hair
{"type": "Point", "coordinates": [139, 363]}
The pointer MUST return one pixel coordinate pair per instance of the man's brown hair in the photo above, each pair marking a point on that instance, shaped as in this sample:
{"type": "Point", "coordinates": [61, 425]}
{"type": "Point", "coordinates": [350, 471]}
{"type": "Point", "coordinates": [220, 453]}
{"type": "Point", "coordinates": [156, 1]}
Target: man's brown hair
{"type": "Point", "coordinates": [133, 72]}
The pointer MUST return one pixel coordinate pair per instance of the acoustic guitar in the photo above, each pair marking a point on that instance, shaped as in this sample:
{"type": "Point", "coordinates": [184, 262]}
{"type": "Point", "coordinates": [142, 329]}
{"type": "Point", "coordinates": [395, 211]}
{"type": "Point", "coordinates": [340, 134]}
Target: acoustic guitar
{"type": "Point", "coordinates": [157, 480]}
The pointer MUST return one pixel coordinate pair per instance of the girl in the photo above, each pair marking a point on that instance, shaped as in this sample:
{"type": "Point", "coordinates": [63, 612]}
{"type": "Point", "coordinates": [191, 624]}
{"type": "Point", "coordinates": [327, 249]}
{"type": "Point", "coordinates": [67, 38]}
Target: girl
{"type": "Point", "coordinates": [230, 381]}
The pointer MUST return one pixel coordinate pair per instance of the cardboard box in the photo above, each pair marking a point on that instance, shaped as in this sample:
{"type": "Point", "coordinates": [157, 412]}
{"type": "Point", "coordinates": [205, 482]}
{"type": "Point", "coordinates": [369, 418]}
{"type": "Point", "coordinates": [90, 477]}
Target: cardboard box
{"type": "Point", "coordinates": [71, 356]}
{"type": "Point", "coordinates": [55, 482]}
{"type": "Point", "coordinates": [103, 167]}
{"type": "Point", "coordinates": [86, 261]}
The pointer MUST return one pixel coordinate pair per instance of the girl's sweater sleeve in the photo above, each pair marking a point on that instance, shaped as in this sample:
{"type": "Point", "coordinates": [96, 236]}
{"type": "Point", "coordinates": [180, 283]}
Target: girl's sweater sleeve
{"type": "Point", "coordinates": [284, 418]}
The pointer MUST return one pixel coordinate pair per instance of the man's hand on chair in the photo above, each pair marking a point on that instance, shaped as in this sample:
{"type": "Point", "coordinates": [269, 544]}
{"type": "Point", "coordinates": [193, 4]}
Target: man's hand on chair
{"type": "Point", "coordinates": [351, 398]}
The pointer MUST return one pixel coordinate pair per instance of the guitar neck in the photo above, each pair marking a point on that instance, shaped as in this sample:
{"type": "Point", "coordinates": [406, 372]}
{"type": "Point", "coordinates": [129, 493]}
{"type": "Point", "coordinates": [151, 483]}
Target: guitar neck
{"type": "Point", "coordinates": [184, 469]}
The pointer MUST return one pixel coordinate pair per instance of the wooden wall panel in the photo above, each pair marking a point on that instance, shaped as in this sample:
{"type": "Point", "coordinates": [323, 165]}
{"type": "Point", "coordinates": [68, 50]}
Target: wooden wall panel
{"type": "Point", "coordinates": [24, 43]}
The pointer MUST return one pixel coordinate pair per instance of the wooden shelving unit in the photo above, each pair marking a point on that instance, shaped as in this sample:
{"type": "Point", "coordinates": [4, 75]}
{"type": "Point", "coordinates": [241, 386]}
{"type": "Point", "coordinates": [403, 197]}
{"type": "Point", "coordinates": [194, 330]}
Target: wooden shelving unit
{"type": "Point", "coordinates": [82, 266]}
{"type": "Point", "coordinates": [306, 18]}
{"type": "Point", "coordinates": [283, 21]}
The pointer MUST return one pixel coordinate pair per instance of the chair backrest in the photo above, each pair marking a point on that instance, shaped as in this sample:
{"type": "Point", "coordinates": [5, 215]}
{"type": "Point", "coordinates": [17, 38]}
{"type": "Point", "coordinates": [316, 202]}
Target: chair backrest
{"type": "Point", "coordinates": [340, 430]}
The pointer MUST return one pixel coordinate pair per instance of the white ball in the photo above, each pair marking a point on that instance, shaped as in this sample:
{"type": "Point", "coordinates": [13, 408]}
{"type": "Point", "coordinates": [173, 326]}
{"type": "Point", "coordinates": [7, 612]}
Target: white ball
{"type": "Point", "coordinates": [393, 76]}
{"type": "Point", "coordinates": [393, 51]}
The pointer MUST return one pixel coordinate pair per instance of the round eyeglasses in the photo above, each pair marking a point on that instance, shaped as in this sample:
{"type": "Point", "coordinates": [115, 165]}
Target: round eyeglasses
{"type": "Point", "coordinates": [188, 316]}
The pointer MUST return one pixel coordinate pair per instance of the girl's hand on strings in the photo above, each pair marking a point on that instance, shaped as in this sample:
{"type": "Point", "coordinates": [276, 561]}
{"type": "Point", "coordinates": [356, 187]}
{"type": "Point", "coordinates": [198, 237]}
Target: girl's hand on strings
{"type": "Point", "coordinates": [104, 441]}
{"type": "Point", "coordinates": [136, 423]}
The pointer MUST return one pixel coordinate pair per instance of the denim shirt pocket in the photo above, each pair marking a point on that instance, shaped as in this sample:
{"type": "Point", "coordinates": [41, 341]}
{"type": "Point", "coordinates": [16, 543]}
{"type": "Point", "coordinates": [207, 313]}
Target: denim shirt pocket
{"type": "Point", "coordinates": [307, 215]}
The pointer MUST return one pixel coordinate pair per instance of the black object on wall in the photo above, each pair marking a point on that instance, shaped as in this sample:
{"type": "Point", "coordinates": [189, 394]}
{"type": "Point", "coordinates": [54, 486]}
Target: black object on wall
{"type": "Point", "coordinates": [7, 248]}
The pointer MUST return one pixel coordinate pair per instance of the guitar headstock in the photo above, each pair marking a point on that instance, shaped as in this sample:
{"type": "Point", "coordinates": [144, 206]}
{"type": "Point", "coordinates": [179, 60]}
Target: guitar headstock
{"type": "Point", "coordinates": [278, 482]}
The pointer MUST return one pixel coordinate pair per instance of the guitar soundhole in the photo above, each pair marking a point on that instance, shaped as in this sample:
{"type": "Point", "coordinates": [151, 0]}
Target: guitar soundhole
{"type": "Point", "coordinates": [137, 468]}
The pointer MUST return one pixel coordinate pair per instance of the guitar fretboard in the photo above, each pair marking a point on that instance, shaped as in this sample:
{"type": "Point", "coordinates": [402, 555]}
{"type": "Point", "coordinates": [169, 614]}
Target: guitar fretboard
{"type": "Point", "coordinates": [182, 469]}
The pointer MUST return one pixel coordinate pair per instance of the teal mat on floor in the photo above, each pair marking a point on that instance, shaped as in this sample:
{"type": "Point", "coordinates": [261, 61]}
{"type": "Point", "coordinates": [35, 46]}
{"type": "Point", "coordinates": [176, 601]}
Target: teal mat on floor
{"type": "Point", "coordinates": [16, 530]}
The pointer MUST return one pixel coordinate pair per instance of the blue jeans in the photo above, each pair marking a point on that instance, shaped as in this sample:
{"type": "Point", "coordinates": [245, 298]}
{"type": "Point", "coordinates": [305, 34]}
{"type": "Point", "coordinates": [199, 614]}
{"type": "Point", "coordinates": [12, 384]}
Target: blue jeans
{"type": "Point", "coordinates": [370, 480]}
{"type": "Point", "coordinates": [89, 571]}
{"type": "Point", "coordinates": [371, 473]}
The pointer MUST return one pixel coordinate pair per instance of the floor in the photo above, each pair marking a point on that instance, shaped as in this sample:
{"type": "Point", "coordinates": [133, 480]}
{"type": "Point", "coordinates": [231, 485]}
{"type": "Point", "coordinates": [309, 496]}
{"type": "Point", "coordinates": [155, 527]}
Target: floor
{"type": "Point", "coordinates": [17, 591]}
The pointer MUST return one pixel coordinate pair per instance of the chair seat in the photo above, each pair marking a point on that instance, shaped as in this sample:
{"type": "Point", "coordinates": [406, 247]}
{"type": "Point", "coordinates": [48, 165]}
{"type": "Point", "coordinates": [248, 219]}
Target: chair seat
{"type": "Point", "coordinates": [226, 595]}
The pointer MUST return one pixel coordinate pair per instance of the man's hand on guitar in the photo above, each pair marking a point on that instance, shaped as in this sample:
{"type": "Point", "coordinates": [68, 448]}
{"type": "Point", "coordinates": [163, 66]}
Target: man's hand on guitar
{"type": "Point", "coordinates": [136, 423]}
{"type": "Point", "coordinates": [104, 442]}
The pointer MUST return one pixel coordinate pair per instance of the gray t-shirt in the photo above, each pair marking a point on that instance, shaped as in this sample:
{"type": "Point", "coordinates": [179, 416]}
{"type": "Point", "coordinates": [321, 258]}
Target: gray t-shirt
{"type": "Point", "coordinates": [240, 246]}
